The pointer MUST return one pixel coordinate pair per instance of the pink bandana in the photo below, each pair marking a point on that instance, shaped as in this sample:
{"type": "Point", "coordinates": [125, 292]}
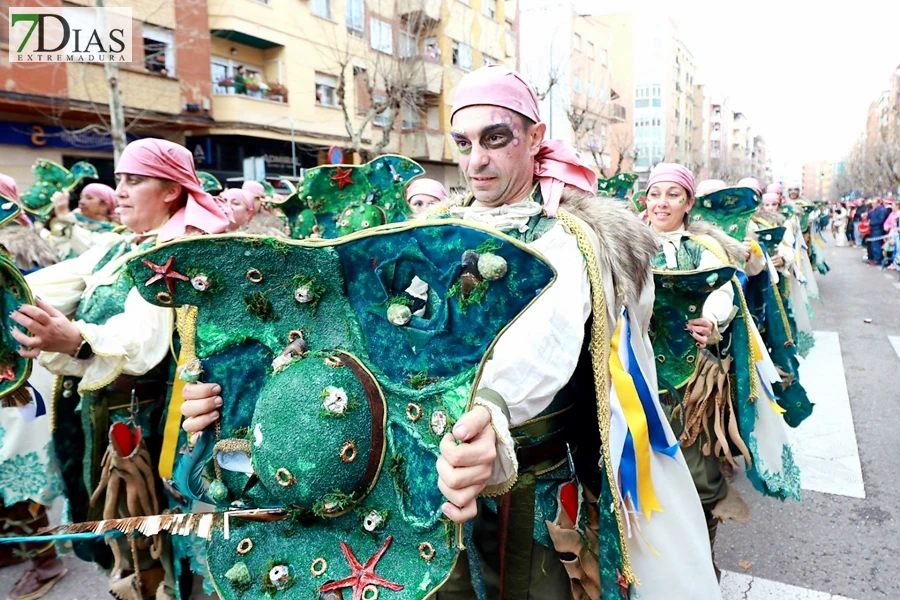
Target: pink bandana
{"type": "Point", "coordinates": [163, 159]}
{"type": "Point", "coordinates": [672, 173]}
{"type": "Point", "coordinates": [774, 188]}
{"type": "Point", "coordinates": [752, 183]}
{"type": "Point", "coordinates": [556, 165]}
{"type": "Point", "coordinates": [708, 186]}
{"type": "Point", "coordinates": [244, 196]}
{"type": "Point", "coordinates": [104, 192]}
{"type": "Point", "coordinates": [429, 187]}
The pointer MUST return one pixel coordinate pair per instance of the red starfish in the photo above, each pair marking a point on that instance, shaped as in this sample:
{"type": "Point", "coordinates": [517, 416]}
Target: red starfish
{"type": "Point", "coordinates": [165, 273]}
{"type": "Point", "coordinates": [343, 177]}
{"type": "Point", "coordinates": [363, 575]}
{"type": "Point", "coordinates": [623, 583]}
{"type": "Point", "coordinates": [7, 372]}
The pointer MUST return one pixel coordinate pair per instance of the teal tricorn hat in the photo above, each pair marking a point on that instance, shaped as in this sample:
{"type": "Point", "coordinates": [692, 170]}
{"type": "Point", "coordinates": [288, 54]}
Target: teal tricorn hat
{"type": "Point", "coordinates": [9, 210]}
{"type": "Point", "coordinates": [729, 209]}
{"type": "Point", "coordinates": [342, 363]}
{"type": "Point", "coordinates": [210, 184]}
{"type": "Point", "coordinates": [679, 298]}
{"type": "Point", "coordinates": [374, 192]}
{"type": "Point", "coordinates": [14, 370]}
{"type": "Point", "coordinates": [617, 186]}
{"type": "Point", "coordinates": [787, 210]}
{"type": "Point", "coordinates": [771, 237]}
{"type": "Point", "coordinates": [49, 178]}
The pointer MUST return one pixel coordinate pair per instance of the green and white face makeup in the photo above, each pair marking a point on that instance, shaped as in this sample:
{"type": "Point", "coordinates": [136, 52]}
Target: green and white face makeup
{"type": "Point", "coordinates": [668, 205]}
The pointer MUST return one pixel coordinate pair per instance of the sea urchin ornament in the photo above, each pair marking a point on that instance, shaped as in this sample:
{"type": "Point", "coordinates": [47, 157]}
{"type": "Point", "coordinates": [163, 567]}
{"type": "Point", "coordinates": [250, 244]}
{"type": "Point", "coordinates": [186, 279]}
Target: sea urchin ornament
{"type": "Point", "coordinates": [399, 314]}
{"type": "Point", "coordinates": [491, 266]}
{"type": "Point", "coordinates": [334, 400]}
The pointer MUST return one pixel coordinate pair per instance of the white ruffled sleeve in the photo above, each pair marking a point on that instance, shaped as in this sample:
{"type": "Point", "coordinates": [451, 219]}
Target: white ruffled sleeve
{"type": "Point", "coordinates": [535, 358]}
{"type": "Point", "coordinates": [719, 303]}
{"type": "Point", "coordinates": [62, 285]}
{"type": "Point", "coordinates": [130, 343]}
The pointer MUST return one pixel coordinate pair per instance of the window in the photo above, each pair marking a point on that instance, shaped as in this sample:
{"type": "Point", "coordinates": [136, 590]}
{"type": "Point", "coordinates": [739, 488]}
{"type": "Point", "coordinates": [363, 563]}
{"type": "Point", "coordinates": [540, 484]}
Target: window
{"type": "Point", "coordinates": [382, 119]}
{"type": "Point", "coordinates": [489, 8]}
{"type": "Point", "coordinates": [488, 60]}
{"type": "Point", "coordinates": [603, 57]}
{"type": "Point", "coordinates": [321, 8]}
{"type": "Point", "coordinates": [412, 117]}
{"type": "Point", "coordinates": [382, 36]}
{"type": "Point", "coordinates": [159, 50]}
{"type": "Point", "coordinates": [360, 83]}
{"type": "Point", "coordinates": [592, 91]}
{"type": "Point", "coordinates": [355, 17]}
{"type": "Point", "coordinates": [577, 84]}
{"type": "Point", "coordinates": [641, 103]}
{"type": "Point", "coordinates": [657, 102]}
{"type": "Point", "coordinates": [409, 45]}
{"type": "Point", "coordinates": [462, 56]}
{"type": "Point", "coordinates": [590, 50]}
{"type": "Point", "coordinates": [576, 42]}
{"type": "Point", "coordinates": [326, 88]}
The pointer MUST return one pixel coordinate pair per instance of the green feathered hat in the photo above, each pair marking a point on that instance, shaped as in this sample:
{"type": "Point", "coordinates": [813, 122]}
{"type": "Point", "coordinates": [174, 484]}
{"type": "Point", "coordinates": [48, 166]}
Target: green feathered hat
{"type": "Point", "coordinates": [49, 178]}
{"type": "Point", "coordinates": [328, 191]}
{"type": "Point", "coordinates": [14, 370]}
{"type": "Point", "coordinates": [679, 298]}
{"type": "Point", "coordinates": [342, 365]}
{"type": "Point", "coordinates": [210, 184]}
{"type": "Point", "coordinates": [730, 209]}
{"type": "Point", "coordinates": [9, 210]}
{"type": "Point", "coordinates": [617, 186]}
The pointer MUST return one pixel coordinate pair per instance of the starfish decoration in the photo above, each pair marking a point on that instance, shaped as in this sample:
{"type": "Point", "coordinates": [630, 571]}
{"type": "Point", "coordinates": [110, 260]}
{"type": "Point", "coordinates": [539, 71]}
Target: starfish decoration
{"type": "Point", "coordinates": [363, 575]}
{"type": "Point", "coordinates": [622, 582]}
{"type": "Point", "coordinates": [343, 177]}
{"type": "Point", "coordinates": [7, 373]}
{"type": "Point", "coordinates": [165, 273]}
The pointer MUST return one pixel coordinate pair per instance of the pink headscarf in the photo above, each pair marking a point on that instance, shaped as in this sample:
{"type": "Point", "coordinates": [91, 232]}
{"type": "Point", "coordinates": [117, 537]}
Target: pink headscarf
{"type": "Point", "coordinates": [152, 157]}
{"type": "Point", "coordinates": [708, 186]}
{"type": "Point", "coordinates": [775, 188]}
{"type": "Point", "coordinates": [752, 183]}
{"type": "Point", "coordinates": [241, 194]}
{"type": "Point", "coordinates": [254, 188]}
{"type": "Point", "coordinates": [770, 196]}
{"type": "Point", "coordinates": [429, 187]}
{"type": "Point", "coordinates": [104, 192]}
{"type": "Point", "coordinates": [672, 173]}
{"type": "Point", "coordinates": [556, 164]}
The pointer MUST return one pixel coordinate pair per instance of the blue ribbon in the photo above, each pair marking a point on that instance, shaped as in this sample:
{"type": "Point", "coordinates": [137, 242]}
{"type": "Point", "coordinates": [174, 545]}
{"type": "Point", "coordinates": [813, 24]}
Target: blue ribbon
{"type": "Point", "coordinates": [742, 277]}
{"type": "Point", "coordinates": [628, 471]}
{"type": "Point", "coordinates": [657, 432]}
{"type": "Point", "coordinates": [41, 407]}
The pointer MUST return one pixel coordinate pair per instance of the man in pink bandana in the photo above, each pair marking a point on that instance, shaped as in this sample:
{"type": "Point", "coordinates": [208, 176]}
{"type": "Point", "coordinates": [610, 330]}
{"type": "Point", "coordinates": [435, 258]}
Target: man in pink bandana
{"type": "Point", "coordinates": [543, 194]}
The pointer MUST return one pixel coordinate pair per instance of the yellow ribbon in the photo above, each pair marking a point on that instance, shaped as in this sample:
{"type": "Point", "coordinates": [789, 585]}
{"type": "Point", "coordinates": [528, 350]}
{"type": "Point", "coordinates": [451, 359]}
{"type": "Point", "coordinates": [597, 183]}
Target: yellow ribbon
{"type": "Point", "coordinates": [186, 322]}
{"type": "Point", "coordinates": [637, 424]}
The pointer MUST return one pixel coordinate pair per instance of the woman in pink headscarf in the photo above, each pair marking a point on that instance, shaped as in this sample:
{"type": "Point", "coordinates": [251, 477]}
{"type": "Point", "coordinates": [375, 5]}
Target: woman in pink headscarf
{"type": "Point", "coordinates": [115, 353]}
{"type": "Point", "coordinates": [72, 233]}
{"type": "Point", "coordinates": [424, 193]}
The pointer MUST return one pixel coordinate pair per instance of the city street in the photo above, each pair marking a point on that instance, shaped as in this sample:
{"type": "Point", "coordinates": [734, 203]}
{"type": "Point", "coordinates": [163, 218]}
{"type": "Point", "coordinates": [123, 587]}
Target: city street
{"type": "Point", "coordinates": [838, 543]}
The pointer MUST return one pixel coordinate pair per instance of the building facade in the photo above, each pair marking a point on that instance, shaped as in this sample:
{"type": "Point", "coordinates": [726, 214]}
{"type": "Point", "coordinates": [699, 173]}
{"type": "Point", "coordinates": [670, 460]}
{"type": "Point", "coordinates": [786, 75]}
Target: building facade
{"type": "Point", "coordinates": [59, 111]}
{"type": "Point", "coordinates": [817, 181]}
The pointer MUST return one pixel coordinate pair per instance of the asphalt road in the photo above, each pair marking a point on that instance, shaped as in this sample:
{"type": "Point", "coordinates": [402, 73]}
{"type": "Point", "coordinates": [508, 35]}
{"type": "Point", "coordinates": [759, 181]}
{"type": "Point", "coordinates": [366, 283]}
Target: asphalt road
{"type": "Point", "coordinates": [828, 543]}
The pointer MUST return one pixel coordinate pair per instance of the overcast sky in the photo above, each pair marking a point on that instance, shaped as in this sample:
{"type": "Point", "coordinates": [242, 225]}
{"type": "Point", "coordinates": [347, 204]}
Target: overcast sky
{"type": "Point", "coordinates": [803, 71]}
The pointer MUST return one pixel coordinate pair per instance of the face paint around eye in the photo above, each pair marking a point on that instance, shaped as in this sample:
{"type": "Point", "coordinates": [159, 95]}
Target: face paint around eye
{"type": "Point", "coordinates": [462, 143]}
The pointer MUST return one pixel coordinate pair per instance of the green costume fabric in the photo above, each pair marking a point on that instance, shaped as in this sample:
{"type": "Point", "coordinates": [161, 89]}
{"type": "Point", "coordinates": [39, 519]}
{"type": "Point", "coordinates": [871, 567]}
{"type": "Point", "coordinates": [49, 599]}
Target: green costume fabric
{"type": "Point", "coordinates": [729, 209]}
{"type": "Point", "coordinates": [336, 200]}
{"type": "Point", "coordinates": [617, 186]}
{"type": "Point", "coordinates": [209, 182]}
{"type": "Point", "coordinates": [49, 178]}
{"type": "Point", "coordinates": [344, 396]}
{"type": "Point", "coordinates": [14, 370]}
{"type": "Point", "coordinates": [9, 210]}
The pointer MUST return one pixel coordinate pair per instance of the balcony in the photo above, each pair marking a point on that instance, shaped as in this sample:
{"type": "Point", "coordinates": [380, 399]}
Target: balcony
{"type": "Point", "coordinates": [247, 22]}
{"type": "Point", "coordinates": [429, 76]}
{"type": "Point", "coordinates": [140, 90]}
{"type": "Point", "coordinates": [617, 113]}
{"type": "Point", "coordinates": [239, 108]}
{"type": "Point", "coordinates": [420, 13]}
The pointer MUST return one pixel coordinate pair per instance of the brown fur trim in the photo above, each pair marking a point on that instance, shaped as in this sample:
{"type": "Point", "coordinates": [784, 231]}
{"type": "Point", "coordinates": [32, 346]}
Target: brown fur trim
{"type": "Point", "coordinates": [264, 223]}
{"type": "Point", "coordinates": [27, 248]}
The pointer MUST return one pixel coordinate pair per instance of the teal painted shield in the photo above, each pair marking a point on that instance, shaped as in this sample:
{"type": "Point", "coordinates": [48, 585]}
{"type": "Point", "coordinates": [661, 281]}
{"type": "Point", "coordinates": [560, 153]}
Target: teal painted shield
{"type": "Point", "coordinates": [617, 186]}
{"type": "Point", "coordinates": [14, 370]}
{"type": "Point", "coordinates": [679, 298]}
{"type": "Point", "coordinates": [49, 178]}
{"type": "Point", "coordinates": [377, 188]}
{"type": "Point", "coordinates": [729, 209]}
{"type": "Point", "coordinates": [209, 182]}
{"type": "Point", "coordinates": [339, 385]}
{"type": "Point", "coordinates": [9, 210]}
{"type": "Point", "coordinates": [771, 237]}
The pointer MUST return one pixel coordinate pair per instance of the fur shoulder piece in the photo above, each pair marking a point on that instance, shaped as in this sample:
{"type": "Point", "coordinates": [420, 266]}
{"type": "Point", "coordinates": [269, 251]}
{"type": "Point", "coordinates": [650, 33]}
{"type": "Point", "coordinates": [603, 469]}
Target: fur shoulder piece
{"type": "Point", "coordinates": [264, 223]}
{"type": "Point", "coordinates": [733, 248]}
{"type": "Point", "coordinates": [627, 246]}
{"type": "Point", "coordinates": [777, 219]}
{"type": "Point", "coordinates": [28, 250]}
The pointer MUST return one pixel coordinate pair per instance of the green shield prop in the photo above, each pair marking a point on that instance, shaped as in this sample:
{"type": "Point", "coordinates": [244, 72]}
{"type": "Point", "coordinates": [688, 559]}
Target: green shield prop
{"type": "Point", "coordinates": [679, 298]}
{"type": "Point", "coordinates": [617, 186]}
{"type": "Point", "coordinates": [336, 200]}
{"type": "Point", "coordinates": [49, 178]}
{"type": "Point", "coordinates": [210, 184]}
{"type": "Point", "coordinates": [14, 370]}
{"type": "Point", "coordinates": [729, 209]}
{"type": "Point", "coordinates": [342, 363]}
{"type": "Point", "coordinates": [771, 237]}
{"type": "Point", "coordinates": [9, 210]}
